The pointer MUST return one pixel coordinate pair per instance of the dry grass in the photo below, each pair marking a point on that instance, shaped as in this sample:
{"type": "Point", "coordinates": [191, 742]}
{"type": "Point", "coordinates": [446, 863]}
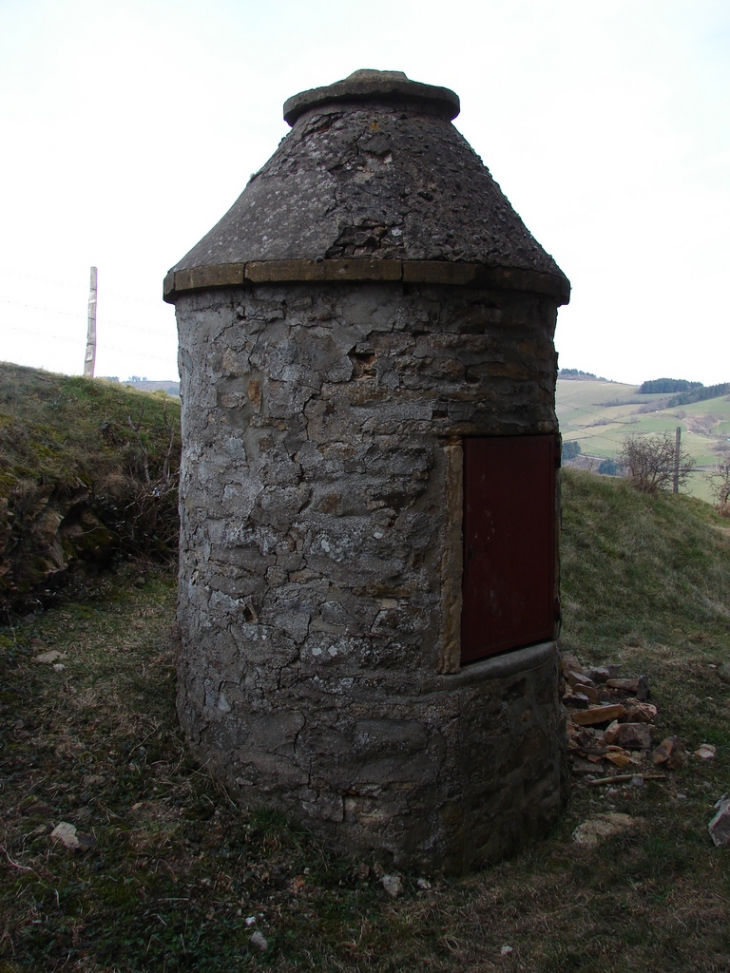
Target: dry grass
{"type": "Point", "coordinates": [175, 870]}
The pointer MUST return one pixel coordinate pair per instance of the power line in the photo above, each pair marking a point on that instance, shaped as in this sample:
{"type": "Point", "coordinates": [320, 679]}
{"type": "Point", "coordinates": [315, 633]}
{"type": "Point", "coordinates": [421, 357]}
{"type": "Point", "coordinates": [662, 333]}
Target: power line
{"type": "Point", "coordinates": [75, 314]}
{"type": "Point", "coordinates": [64, 339]}
{"type": "Point", "coordinates": [80, 287]}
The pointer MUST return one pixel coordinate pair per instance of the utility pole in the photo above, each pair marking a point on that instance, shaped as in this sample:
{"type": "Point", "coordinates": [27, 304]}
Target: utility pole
{"type": "Point", "coordinates": [90, 360]}
{"type": "Point", "coordinates": [678, 443]}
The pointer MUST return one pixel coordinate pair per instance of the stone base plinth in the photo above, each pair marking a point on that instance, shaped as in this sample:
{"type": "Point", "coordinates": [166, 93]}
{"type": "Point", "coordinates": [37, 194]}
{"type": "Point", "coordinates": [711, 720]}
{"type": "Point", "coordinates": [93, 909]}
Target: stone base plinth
{"type": "Point", "coordinates": [461, 771]}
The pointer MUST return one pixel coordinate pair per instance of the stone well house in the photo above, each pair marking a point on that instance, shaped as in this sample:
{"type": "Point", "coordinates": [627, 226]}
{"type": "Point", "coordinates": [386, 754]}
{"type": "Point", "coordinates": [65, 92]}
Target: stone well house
{"type": "Point", "coordinates": [368, 577]}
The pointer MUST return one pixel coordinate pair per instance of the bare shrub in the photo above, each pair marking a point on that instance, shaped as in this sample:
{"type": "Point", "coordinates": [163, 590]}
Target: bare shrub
{"type": "Point", "coordinates": [650, 462]}
{"type": "Point", "coordinates": [140, 503]}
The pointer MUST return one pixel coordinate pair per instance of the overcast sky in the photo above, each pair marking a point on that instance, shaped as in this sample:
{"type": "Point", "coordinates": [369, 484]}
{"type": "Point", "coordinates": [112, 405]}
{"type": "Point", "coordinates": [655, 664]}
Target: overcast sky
{"type": "Point", "coordinates": [130, 127]}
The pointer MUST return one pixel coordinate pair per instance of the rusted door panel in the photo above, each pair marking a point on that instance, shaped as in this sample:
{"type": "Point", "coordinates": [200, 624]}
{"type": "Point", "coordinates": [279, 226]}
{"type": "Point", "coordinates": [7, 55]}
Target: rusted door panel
{"type": "Point", "coordinates": [509, 544]}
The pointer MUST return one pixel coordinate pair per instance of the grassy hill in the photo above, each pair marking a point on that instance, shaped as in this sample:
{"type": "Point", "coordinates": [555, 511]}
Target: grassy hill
{"type": "Point", "coordinates": [174, 877]}
{"type": "Point", "coordinates": [599, 414]}
{"type": "Point", "coordinates": [87, 474]}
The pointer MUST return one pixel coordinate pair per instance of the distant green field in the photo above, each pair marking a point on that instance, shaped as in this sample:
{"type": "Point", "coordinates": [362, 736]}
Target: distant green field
{"type": "Point", "coordinates": [599, 415]}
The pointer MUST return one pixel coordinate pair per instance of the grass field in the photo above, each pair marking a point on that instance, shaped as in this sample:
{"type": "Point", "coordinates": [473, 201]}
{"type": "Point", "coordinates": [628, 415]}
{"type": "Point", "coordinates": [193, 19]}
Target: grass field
{"type": "Point", "coordinates": [599, 415]}
{"type": "Point", "coordinates": [176, 878]}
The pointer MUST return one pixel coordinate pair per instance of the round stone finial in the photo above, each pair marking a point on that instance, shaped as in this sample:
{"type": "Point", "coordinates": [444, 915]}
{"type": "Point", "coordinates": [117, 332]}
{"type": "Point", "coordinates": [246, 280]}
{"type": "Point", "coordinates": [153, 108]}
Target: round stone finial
{"type": "Point", "coordinates": [379, 87]}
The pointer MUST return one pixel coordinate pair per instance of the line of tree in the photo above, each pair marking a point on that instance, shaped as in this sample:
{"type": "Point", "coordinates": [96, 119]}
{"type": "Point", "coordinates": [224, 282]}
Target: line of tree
{"type": "Point", "coordinates": [665, 385]}
{"type": "Point", "coordinates": [699, 395]}
{"type": "Point", "coordinates": [578, 373]}
{"type": "Point", "coordinates": [571, 449]}
{"type": "Point", "coordinates": [610, 467]}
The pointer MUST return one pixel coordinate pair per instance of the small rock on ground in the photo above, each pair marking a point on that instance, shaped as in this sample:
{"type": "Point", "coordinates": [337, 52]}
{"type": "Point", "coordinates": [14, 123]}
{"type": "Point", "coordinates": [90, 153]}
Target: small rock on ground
{"type": "Point", "coordinates": [601, 826]}
{"type": "Point", "coordinates": [719, 827]}
{"type": "Point", "coordinates": [71, 838]}
{"type": "Point", "coordinates": [706, 752]}
{"type": "Point", "coordinates": [49, 657]}
{"type": "Point", "coordinates": [634, 736]}
{"type": "Point", "coordinates": [66, 834]}
{"type": "Point", "coordinates": [393, 885]}
{"type": "Point", "coordinates": [671, 752]}
{"type": "Point", "coordinates": [260, 941]}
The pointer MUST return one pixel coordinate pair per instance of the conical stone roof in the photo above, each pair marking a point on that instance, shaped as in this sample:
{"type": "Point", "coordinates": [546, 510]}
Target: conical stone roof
{"type": "Point", "coordinates": [372, 183]}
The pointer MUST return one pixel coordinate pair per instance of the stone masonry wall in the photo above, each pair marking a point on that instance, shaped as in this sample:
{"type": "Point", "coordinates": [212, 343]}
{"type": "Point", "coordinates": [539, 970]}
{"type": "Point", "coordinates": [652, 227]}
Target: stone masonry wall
{"type": "Point", "coordinates": [317, 500]}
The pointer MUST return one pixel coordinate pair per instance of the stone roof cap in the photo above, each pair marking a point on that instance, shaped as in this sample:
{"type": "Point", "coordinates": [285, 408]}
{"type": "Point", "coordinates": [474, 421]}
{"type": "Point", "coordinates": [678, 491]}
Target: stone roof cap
{"type": "Point", "coordinates": [372, 183]}
{"type": "Point", "coordinates": [376, 87]}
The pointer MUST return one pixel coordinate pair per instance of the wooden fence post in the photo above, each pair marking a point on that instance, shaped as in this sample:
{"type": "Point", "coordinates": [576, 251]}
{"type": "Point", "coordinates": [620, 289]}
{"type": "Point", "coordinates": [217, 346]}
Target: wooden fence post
{"type": "Point", "coordinates": [90, 359]}
{"type": "Point", "coordinates": [678, 443]}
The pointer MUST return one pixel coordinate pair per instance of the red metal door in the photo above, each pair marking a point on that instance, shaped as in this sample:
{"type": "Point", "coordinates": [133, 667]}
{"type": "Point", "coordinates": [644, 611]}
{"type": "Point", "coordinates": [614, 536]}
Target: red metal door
{"type": "Point", "coordinates": [509, 544]}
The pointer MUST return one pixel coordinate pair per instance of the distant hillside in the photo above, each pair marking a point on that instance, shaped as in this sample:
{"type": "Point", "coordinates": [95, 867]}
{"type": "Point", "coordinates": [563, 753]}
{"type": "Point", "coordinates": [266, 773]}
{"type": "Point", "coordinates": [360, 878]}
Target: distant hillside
{"type": "Point", "coordinates": [144, 385]}
{"type": "Point", "coordinates": [88, 473]}
{"type": "Point", "coordinates": [599, 422]}
{"type": "Point", "coordinates": [576, 375]}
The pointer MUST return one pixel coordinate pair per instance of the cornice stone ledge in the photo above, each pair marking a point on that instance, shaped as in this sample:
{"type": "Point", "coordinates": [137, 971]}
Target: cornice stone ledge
{"type": "Point", "coordinates": [363, 269]}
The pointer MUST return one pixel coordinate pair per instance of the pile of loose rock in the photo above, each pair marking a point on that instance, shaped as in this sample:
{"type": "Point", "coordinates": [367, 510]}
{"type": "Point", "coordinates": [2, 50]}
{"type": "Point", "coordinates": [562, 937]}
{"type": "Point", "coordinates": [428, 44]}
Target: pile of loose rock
{"type": "Point", "coordinates": [610, 726]}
